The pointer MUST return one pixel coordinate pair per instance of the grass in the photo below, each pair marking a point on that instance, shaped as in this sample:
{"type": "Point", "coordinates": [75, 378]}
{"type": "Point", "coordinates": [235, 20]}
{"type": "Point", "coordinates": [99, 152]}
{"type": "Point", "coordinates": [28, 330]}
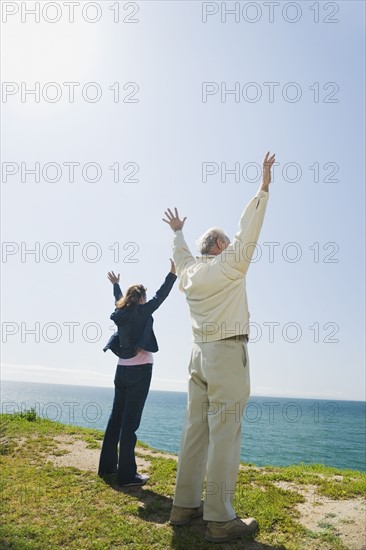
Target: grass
{"type": "Point", "coordinates": [47, 507]}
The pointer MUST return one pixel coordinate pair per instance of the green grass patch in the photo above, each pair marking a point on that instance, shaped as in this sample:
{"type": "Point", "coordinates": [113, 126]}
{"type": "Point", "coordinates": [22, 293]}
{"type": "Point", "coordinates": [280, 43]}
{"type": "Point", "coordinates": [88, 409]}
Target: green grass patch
{"type": "Point", "coordinates": [44, 506]}
{"type": "Point", "coordinates": [334, 483]}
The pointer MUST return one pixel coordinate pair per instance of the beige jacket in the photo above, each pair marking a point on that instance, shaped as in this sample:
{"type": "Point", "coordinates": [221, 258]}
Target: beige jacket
{"type": "Point", "coordinates": [215, 286]}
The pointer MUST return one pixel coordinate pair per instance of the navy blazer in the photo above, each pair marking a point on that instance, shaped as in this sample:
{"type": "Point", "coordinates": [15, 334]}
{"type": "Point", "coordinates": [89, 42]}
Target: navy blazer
{"type": "Point", "coordinates": [135, 324]}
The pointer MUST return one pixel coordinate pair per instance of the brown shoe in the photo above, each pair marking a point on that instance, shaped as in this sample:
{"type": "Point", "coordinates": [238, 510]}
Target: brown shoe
{"type": "Point", "coordinates": [181, 516]}
{"type": "Point", "coordinates": [221, 531]}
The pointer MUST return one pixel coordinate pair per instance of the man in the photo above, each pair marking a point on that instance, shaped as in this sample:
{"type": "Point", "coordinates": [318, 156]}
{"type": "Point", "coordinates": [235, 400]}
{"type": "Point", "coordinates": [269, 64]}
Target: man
{"type": "Point", "coordinates": [219, 384]}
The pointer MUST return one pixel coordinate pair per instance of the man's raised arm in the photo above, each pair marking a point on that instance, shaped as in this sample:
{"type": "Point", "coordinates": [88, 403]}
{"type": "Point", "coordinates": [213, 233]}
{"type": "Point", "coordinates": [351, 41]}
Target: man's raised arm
{"type": "Point", "coordinates": [181, 254]}
{"type": "Point", "coordinates": [239, 253]}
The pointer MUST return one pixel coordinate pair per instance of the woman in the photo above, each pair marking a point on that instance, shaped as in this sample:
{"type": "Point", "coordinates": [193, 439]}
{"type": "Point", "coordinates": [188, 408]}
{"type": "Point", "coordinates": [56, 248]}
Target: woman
{"type": "Point", "coordinates": [133, 317]}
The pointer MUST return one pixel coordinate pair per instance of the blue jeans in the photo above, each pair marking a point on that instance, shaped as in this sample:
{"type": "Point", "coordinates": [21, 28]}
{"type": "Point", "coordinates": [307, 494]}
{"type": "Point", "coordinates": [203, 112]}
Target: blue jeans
{"type": "Point", "coordinates": [131, 388]}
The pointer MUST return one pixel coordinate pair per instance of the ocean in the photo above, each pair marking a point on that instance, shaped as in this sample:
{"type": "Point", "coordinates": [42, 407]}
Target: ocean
{"type": "Point", "coordinates": [276, 431]}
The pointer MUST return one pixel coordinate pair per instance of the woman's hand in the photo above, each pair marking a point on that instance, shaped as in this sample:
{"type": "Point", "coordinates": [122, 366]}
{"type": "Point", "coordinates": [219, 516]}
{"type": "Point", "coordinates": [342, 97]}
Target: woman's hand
{"type": "Point", "coordinates": [114, 279]}
{"type": "Point", "coordinates": [172, 267]}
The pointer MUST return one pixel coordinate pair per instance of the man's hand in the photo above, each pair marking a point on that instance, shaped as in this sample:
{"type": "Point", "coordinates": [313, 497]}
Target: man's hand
{"type": "Point", "coordinates": [113, 277]}
{"type": "Point", "coordinates": [267, 165]}
{"type": "Point", "coordinates": [173, 220]}
{"type": "Point", "coordinates": [172, 267]}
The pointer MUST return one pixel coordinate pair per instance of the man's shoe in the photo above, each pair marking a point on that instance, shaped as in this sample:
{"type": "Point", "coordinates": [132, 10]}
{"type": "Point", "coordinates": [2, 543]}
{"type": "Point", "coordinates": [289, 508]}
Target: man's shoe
{"type": "Point", "coordinates": [181, 516]}
{"type": "Point", "coordinates": [221, 531]}
{"type": "Point", "coordinates": [138, 481]}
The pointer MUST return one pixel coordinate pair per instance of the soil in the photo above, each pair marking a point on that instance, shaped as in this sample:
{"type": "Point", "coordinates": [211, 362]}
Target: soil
{"type": "Point", "coordinates": [345, 518]}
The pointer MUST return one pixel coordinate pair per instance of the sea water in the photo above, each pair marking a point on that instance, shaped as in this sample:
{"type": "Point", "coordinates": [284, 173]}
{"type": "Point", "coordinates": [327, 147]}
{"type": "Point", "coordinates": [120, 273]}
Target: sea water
{"type": "Point", "coordinates": [276, 431]}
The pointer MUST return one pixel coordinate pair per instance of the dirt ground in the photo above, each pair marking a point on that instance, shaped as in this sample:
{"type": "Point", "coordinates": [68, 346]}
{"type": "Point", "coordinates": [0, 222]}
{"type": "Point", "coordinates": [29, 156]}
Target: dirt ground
{"type": "Point", "coordinates": [347, 518]}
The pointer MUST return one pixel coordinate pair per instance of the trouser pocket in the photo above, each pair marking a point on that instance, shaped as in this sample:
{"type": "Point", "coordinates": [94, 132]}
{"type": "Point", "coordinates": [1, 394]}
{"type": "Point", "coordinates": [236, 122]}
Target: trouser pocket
{"type": "Point", "coordinates": [245, 354]}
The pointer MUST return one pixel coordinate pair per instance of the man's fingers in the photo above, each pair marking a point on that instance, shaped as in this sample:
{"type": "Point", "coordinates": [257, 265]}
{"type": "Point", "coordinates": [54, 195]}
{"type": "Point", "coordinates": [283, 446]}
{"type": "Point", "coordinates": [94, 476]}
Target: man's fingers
{"type": "Point", "coordinates": [169, 215]}
{"type": "Point", "coordinates": [266, 159]}
{"type": "Point", "coordinates": [268, 163]}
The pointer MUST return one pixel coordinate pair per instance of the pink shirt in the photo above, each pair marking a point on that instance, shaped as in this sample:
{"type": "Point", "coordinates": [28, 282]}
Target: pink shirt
{"type": "Point", "coordinates": [141, 358]}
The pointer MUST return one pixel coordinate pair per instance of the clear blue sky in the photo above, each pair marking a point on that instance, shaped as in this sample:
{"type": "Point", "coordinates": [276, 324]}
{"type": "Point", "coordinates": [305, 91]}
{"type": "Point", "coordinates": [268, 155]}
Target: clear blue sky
{"type": "Point", "coordinates": [169, 133]}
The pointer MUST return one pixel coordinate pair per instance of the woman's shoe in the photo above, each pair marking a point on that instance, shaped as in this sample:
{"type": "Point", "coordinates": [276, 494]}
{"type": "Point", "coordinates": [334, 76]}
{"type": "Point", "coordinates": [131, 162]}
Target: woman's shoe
{"type": "Point", "coordinates": [139, 480]}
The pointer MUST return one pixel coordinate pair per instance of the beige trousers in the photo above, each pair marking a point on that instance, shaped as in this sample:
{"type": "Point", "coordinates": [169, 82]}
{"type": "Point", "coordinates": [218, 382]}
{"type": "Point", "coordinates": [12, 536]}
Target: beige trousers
{"type": "Point", "coordinates": [219, 388]}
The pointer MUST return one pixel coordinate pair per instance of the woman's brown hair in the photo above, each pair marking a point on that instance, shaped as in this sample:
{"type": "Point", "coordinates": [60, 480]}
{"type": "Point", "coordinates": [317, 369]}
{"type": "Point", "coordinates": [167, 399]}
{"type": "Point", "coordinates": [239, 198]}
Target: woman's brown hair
{"type": "Point", "coordinates": [132, 297]}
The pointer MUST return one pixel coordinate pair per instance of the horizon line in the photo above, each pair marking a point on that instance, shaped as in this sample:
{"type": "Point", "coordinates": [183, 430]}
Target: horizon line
{"type": "Point", "coordinates": [254, 394]}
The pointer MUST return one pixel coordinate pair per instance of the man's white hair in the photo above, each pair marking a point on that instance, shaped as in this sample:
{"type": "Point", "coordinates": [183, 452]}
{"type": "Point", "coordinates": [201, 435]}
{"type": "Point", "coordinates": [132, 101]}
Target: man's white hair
{"type": "Point", "coordinates": [207, 241]}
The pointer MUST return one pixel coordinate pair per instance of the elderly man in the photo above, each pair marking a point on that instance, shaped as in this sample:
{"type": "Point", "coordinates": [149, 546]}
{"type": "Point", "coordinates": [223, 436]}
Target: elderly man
{"type": "Point", "coordinates": [219, 383]}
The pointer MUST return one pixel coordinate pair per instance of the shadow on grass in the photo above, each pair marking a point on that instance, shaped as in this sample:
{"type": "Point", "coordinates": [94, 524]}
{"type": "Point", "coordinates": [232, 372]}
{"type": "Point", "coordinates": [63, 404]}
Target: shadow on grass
{"type": "Point", "coordinates": [155, 508]}
{"type": "Point", "coordinates": [193, 536]}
